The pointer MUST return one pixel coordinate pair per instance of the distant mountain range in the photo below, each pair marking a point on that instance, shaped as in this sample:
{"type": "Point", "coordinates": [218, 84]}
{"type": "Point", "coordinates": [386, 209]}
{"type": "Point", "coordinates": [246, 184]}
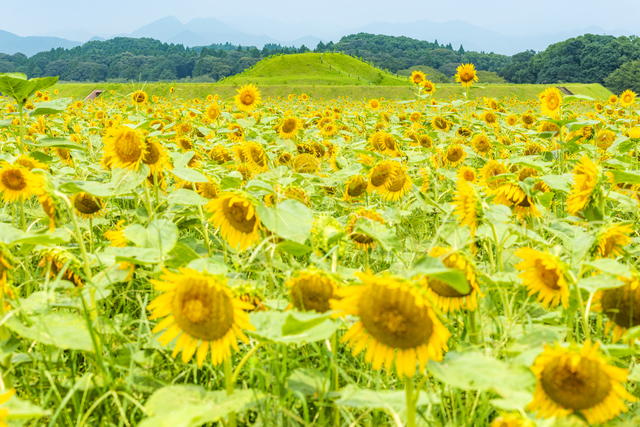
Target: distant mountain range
{"type": "Point", "coordinates": [258, 32]}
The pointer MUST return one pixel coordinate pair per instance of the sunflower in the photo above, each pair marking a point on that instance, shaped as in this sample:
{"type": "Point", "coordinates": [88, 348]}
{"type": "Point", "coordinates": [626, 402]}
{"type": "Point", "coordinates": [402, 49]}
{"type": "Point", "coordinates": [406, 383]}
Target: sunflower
{"type": "Point", "coordinates": [376, 141]}
{"type": "Point", "coordinates": [578, 379]}
{"type": "Point", "coordinates": [586, 186]}
{"type": "Point", "coordinates": [363, 241]}
{"type": "Point", "coordinates": [440, 123]}
{"type": "Point", "coordinates": [208, 190]}
{"type": "Point", "coordinates": [511, 420]}
{"type": "Point", "coordinates": [380, 175]}
{"type": "Point", "coordinates": [285, 158]}
{"type": "Point", "coordinates": [454, 155]}
{"type": "Point", "coordinates": [444, 296]}
{"type": "Point", "coordinates": [155, 157]}
{"type": "Point", "coordinates": [512, 195]}
{"type": "Point", "coordinates": [466, 173]}
{"type": "Point", "coordinates": [17, 182]}
{"type": "Point", "coordinates": [311, 291]}
{"type": "Point", "coordinates": [466, 74]}
{"type": "Point", "coordinates": [290, 128]}
{"type": "Point", "coordinates": [611, 240]}
{"type": "Point", "coordinates": [398, 185]}
{"type": "Point", "coordinates": [29, 163]}
{"type": "Point", "coordinates": [116, 237]}
{"type": "Point", "coordinates": [86, 205]}
{"type": "Point", "coordinates": [417, 77]}
{"type": "Point", "coordinates": [512, 120]}
{"type": "Point", "coordinates": [123, 147]}
{"type": "Point", "coordinates": [237, 132]}
{"type": "Point", "coordinates": [200, 310]}
{"type": "Point", "coordinates": [139, 97]}
{"type": "Point", "coordinates": [248, 98]}
{"type": "Point", "coordinates": [329, 130]}
{"type": "Point", "coordinates": [255, 157]}
{"type": "Point", "coordinates": [374, 104]}
{"type": "Point", "coordinates": [355, 187]}
{"type": "Point", "coordinates": [213, 112]}
{"type": "Point", "coordinates": [543, 274]}
{"type": "Point", "coordinates": [60, 260]}
{"type": "Point", "coordinates": [236, 218]}
{"type": "Point", "coordinates": [527, 120]}
{"type": "Point", "coordinates": [468, 205]}
{"type": "Point", "coordinates": [488, 173]}
{"type": "Point", "coordinates": [425, 141]}
{"type": "Point", "coordinates": [306, 163]}
{"type": "Point", "coordinates": [428, 87]}
{"type": "Point", "coordinates": [550, 101]}
{"type": "Point", "coordinates": [4, 397]}
{"type": "Point", "coordinates": [393, 315]}
{"type": "Point", "coordinates": [481, 144]}
{"type": "Point", "coordinates": [627, 98]}
{"type": "Point", "coordinates": [490, 118]}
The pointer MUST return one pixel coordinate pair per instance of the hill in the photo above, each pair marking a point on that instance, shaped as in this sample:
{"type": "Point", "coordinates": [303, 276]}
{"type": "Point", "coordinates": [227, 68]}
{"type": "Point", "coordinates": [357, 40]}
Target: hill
{"type": "Point", "coordinates": [315, 69]}
{"type": "Point", "coordinates": [29, 46]}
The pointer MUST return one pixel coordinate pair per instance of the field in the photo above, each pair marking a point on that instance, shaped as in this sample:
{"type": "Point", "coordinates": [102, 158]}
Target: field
{"type": "Point", "coordinates": [187, 258]}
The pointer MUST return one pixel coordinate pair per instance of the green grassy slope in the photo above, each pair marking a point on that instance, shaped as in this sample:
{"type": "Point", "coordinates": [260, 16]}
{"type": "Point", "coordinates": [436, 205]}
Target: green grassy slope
{"type": "Point", "coordinates": [444, 91]}
{"type": "Point", "coordinates": [315, 69]}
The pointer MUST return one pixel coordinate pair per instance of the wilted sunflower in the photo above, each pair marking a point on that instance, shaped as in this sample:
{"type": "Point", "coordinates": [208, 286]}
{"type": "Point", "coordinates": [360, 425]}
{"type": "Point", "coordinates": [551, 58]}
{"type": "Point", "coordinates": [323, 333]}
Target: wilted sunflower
{"type": "Point", "coordinates": [355, 187]}
{"type": "Point", "coordinates": [550, 101]}
{"type": "Point", "coordinates": [543, 274]}
{"type": "Point", "coordinates": [290, 128]}
{"type": "Point", "coordinates": [393, 315]}
{"type": "Point", "coordinates": [466, 74]}
{"type": "Point", "coordinates": [123, 148]}
{"type": "Point", "coordinates": [468, 205]}
{"type": "Point", "coordinates": [201, 313]}
{"type": "Point", "coordinates": [585, 189]}
{"type": "Point", "coordinates": [17, 182]}
{"type": "Point", "coordinates": [60, 260]}
{"type": "Point", "coordinates": [627, 98]}
{"type": "Point", "coordinates": [139, 97]}
{"type": "Point", "coordinates": [380, 175]}
{"type": "Point", "coordinates": [311, 291]}
{"type": "Point", "coordinates": [235, 215]}
{"type": "Point", "coordinates": [362, 241]}
{"type": "Point", "coordinates": [578, 379]}
{"type": "Point", "coordinates": [443, 295]}
{"type": "Point", "coordinates": [248, 98]}
{"type": "Point", "coordinates": [86, 205]}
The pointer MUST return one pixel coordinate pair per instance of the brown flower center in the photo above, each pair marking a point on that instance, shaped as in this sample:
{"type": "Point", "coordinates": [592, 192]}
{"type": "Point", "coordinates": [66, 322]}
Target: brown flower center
{"type": "Point", "coordinates": [14, 179]}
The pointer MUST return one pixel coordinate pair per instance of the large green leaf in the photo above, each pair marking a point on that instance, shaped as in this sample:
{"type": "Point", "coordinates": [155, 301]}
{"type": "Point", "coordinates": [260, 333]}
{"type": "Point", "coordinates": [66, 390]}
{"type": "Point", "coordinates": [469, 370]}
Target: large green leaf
{"type": "Point", "coordinates": [57, 143]}
{"type": "Point", "coordinates": [189, 175]}
{"type": "Point", "coordinates": [186, 197]}
{"type": "Point", "coordinates": [94, 188]}
{"type": "Point", "coordinates": [19, 88]}
{"type": "Point", "coordinates": [381, 233]}
{"type": "Point", "coordinates": [64, 330]}
{"type": "Point", "coordinates": [160, 234]}
{"type": "Point", "coordinates": [627, 177]}
{"type": "Point", "coordinates": [286, 328]}
{"type": "Point", "coordinates": [20, 411]}
{"type": "Point", "coordinates": [289, 219]}
{"type": "Point", "coordinates": [123, 181]}
{"type": "Point", "coordinates": [50, 107]}
{"type": "Point", "coordinates": [434, 268]}
{"type": "Point", "coordinates": [192, 406]}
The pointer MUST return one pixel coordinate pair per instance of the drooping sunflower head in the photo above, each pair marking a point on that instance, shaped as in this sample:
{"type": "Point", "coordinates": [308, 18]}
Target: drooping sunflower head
{"type": "Point", "coordinates": [489, 172]}
{"type": "Point", "coordinates": [466, 74]}
{"type": "Point", "coordinates": [86, 205]}
{"type": "Point", "coordinates": [355, 187]}
{"type": "Point", "coordinates": [397, 186]}
{"type": "Point", "coordinates": [208, 190]}
{"type": "Point", "coordinates": [57, 260]}
{"type": "Point", "coordinates": [550, 101]}
{"type": "Point", "coordinates": [306, 163]}
{"type": "Point", "coordinates": [394, 316]}
{"type": "Point", "coordinates": [512, 195]}
{"type": "Point", "coordinates": [481, 144]}
{"type": "Point", "coordinates": [116, 237]}
{"type": "Point", "coordinates": [363, 241]}
{"type": "Point", "coordinates": [543, 274]}
{"type": "Point", "coordinates": [441, 123]}
{"type": "Point", "coordinates": [468, 205]}
{"type": "Point", "coordinates": [248, 98]}
{"type": "Point", "coordinates": [235, 215]}
{"type": "Point", "coordinates": [201, 312]}
{"type": "Point", "coordinates": [139, 97]}
{"type": "Point", "coordinates": [586, 190]}
{"type": "Point", "coordinates": [155, 157]}
{"type": "Point", "coordinates": [311, 291]}
{"type": "Point", "coordinates": [578, 379]}
{"type": "Point", "coordinates": [123, 148]}
{"type": "Point", "coordinates": [611, 240]}
{"type": "Point", "coordinates": [380, 175]}
{"type": "Point", "coordinates": [17, 182]}
{"type": "Point", "coordinates": [255, 157]}
{"type": "Point", "coordinates": [236, 134]}
{"type": "Point", "coordinates": [290, 128]}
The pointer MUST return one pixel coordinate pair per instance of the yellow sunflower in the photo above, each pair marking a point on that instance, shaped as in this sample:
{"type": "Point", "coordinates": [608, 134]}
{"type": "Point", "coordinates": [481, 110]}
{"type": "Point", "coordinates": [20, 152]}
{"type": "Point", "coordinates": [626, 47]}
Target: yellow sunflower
{"type": "Point", "coordinates": [155, 157]}
{"type": "Point", "coordinates": [627, 98]}
{"type": "Point", "coordinates": [362, 241]}
{"type": "Point", "coordinates": [468, 205]}
{"type": "Point", "coordinates": [123, 148]}
{"type": "Point", "coordinates": [621, 305]}
{"type": "Point", "coordinates": [396, 323]}
{"type": "Point", "coordinates": [488, 175]}
{"type": "Point", "coordinates": [577, 379]}
{"type": "Point", "coordinates": [290, 128]}
{"type": "Point", "coordinates": [213, 112]}
{"type": "Point", "coordinates": [467, 173]}
{"type": "Point", "coordinates": [417, 77]}
{"type": "Point", "coordinates": [4, 397]}
{"type": "Point", "coordinates": [17, 182]}
{"type": "Point", "coordinates": [255, 157]}
{"type": "Point", "coordinates": [248, 98]}
{"type": "Point", "coordinates": [440, 123]}
{"type": "Point", "coordinates": [399, 185]}
{"type": "Point", "coordinates": [29, 163]}
{"type": "Point", "coordinates": [481, 144]}
{"type": "Point", "coordinates": [466, 74]}
{"type": "Point", "coordinates": [380, 175]}
{"type": "Point", "coordinates": [236, 134]}
{"type": "Point", "coordinates": [454, 155]}
{"type": "Point", "coordinates": [306, 163]}
{"type": "Point", "coordinates": [444, 296]}
{"type": "Point", "coordinates": [512, 195]}
{"type": "Point", "coordinates": [236, 218]}
{"type": "Point", "coordinates": [311, 291]}
{"type": "Point", "coordinates": [428, 87]}
{"type": "Point", "coordinates": [201, 312]}
{"type": "Point", "coordinates": [139, 97]}
{"type": "Point", "coordinates": [611, 240]}
{"type": "Point", "coordinates": [355, 187]}
{"type": "Point", "coordinates": [59, 260]}
{"type": "Point", "coordinates": [86, 205]}
{"type": "Point", "coordinates": [550, 101]}
{"type": "Point", "coordinates": [586, 186]}
{"type": "Point", "coordinates": [374, 104]}
{"type": "Point", "coordinates": [543, 274]}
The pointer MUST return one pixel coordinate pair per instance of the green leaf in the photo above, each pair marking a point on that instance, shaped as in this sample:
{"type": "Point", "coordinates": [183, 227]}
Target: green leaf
{"type": "Point", "coordinates": [269, 327]}
{"type": "Point", "coordinates": [123, 181]}
{"type": "Point", "coordinates": [607, 265]}
{"type": "Point", "coordinates": [160, 234]}
{"type": "Point", "coordinates": [189, 175]}
{"type": "Point", "coordinates": [9, 234]}
{"type": "Point", "coordinates": [289, 219]}
{"type": "Point", "coordinates": [51, 142]}
{"type": "Point", "coordinates": [23, 410]}
{"type": "Point", "coordinates": [49, 239]}
{"type": "Point", "coordinates": [63, 330]}
{"type": "Point", "coordinates": [299, 322]}
{"type": "Point", "coordinates": [559, 182]}
{"type": "Point", "coordinates": [601, 281]}
{"type": "Point", "coordinates": [185, 197]}
{"type": "Point", "coordinates": [627, 177]}
{"type": "Point", "coordinates": [354, 397]}
{"type": "Point", "coordinates": [181, 255]}
{"type": "Point", "coordinates": [19, 88]}
{"type": "Point", "coordinates": [50, 107]}
{"type": "Point", "coordinates": [209, 265]}
{"type": "Point", "coordinates": [91, 187]}
{"type": "Point", "coordinates": [571, 98]}
{"type": "Point", "coordinates": [192, 406]}
{"type": "Point", "coordinates": [246, 123]}
{"type": "Point", "coordinates": [434, 268]}
{"type": "Point", "coordinates": [309, 382]}
{"type": "Point", "coordinates": [381, 233]}
{"type": "Point", "coordinates": [293, 248]}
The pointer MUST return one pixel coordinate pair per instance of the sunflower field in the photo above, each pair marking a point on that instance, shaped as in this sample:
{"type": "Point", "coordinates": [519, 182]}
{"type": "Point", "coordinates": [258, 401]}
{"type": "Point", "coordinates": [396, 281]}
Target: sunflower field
{"type": "Point", "coordinates": [311, 262]}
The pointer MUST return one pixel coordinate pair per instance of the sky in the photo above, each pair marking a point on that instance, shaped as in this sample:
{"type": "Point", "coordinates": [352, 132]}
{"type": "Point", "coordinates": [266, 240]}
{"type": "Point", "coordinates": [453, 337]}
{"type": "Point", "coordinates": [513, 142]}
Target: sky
{"type": "Point", "coordinates": [504, 16]}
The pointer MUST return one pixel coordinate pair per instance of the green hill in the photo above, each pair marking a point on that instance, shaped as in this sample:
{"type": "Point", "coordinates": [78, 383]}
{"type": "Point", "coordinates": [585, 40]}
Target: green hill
{"type": "Point", "coordinates": [315, 69]}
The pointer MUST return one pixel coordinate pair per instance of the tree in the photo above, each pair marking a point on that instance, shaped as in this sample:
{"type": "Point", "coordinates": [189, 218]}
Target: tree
{"type": "Point", "coordinates": [625, 77]}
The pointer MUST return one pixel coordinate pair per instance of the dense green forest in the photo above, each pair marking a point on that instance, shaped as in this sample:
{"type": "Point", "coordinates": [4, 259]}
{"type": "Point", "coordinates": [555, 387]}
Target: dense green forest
{"type": "Point", "coordinates": [590, 58]}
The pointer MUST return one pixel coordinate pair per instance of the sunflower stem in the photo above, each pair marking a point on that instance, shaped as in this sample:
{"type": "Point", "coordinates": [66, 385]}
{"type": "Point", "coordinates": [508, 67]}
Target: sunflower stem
{"type": "Point", "coordinates": [229, 385]}
{"type": "Point", "coordinates": [23, 222]}
{"type": "Point", "coordinates": [83, 248]}
{"type": "Point", "coordinates": [335, 386]}
{"type": "Point", "coordinates": [473, 326]}
{"type": "Point", "coordinates": [20, 143]}
{"type": "Point", "coordinates": [411, 402]}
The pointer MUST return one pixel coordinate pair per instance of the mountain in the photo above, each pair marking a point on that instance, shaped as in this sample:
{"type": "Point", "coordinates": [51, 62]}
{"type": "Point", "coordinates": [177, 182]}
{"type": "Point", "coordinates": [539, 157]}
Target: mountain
{"type": "Point", "coordinates": [11, 43]}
